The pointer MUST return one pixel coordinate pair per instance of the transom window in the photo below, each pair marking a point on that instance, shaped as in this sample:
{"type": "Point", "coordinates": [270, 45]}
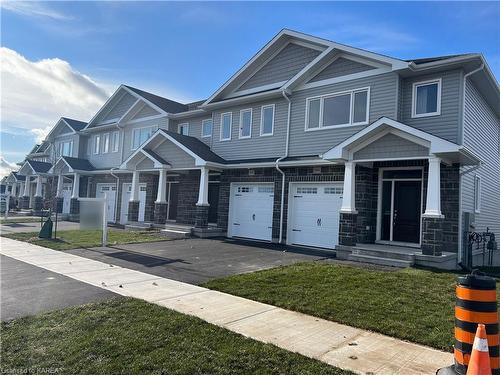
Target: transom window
{"type": "Point", "coordinates": [141, 135]}
{"type": "Point", "coordinates": [207, 127]}
{"type": "Point", "coordinates": [183, 129]}
{"type": "Point", "coordinates": [267, 120]}
{"type": "Point", "coordinates": [246, 123]}
{"type": "Point", "coordinates": [225, 126]}
{"type": "Point", "coordinates": [339, 109]}
{"type": "Point", "coordinates": [245, 189]}
{"type": "Point", "coordinates": [307, 190]}
{"type": "Point", "coordinates": [426, 99]}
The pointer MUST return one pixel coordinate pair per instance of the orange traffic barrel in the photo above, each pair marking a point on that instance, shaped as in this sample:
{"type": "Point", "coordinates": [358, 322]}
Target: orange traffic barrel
{"type": "Point", "coordinates": [476, 303]}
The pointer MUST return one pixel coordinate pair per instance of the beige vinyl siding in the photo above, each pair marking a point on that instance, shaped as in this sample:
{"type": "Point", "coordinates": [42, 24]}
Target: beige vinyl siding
{"type": "Point", "coordinates": [391, 146]}
{"type": "Point", "coordinates": [287, 63]}
{"type": "Point", "coordinates": [445, 125]}
{"type": "Point", "coordinates": [257, 146]}
{"type": "Point", "coordinates": [341, 67]}
{"type": "Point", "coordinates": [482, 137]}
{"type": "Point", "coordinates": [383, 90]}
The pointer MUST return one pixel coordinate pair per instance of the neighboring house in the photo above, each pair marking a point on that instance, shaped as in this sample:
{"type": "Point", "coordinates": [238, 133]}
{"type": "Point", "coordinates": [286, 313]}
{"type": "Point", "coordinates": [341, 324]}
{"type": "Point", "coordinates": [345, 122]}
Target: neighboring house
{"type": "Point", "coordinates": [310, 143]}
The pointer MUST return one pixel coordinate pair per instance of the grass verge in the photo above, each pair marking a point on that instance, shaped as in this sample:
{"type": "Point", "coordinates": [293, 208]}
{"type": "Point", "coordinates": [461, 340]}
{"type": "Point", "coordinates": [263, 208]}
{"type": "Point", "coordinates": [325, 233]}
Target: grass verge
{"type": "Point", "coordinates": [21, 219]}
{"type": "Point", "coordinates": [72, 239]}
{"type": "Point", "coordinates": [410, 304]}
{"type": "Point", "coordinates": [134, 337]}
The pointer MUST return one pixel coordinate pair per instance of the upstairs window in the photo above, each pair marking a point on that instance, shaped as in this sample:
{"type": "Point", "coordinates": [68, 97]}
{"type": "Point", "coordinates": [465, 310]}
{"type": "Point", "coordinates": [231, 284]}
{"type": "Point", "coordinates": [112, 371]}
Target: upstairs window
{"type": "Point", "coordinates": [105, 143]}
{"type": "Point", "coordinates": [115, 139]}
{"type": "Point", "coordinates": [426, 99]}
{"type": "Point", "coordinates": [339, 109]}
{"type": "Point", "coordinates": [246, 123]}
{"type": "Point", "coordinates": [183, 129]}
{"type": "Point", "coordinates": [141, 135]}
{"type": "Point", "coordinates": [267, 120]}
{"type": "Point", "coordinates": [225, 126]}
{"type": "Point", "coordinates": [97, 144]}
{"type": "Point", "coordinates": [206, 128]}
{"type": "Point", "coordinates": [65, 148]}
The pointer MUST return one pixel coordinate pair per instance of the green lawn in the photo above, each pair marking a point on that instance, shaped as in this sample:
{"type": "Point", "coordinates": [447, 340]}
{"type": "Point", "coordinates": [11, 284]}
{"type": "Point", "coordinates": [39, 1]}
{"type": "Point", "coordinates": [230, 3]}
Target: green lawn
{"type": "Point", "coordinates": [20, 219]}
{"type": "Point", "coordinates": [72, 239]}
{"type": "Point", "coordinates": [130, 336]}
{"type": "Point", "coordinates": [410, 304]}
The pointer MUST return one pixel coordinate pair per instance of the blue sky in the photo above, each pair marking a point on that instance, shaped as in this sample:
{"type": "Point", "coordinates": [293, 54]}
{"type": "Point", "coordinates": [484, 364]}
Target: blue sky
{"type": "Point", "coordinates": [186, 50]}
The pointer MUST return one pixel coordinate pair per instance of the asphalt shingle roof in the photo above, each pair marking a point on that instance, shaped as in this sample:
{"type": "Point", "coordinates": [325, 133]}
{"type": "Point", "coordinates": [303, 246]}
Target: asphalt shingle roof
{"type": "Point", "coordinates": [19, 177]}
{"type": "Point", "coordinates": [79, 164]}
{"type": "Point", "coordinates": [40, 166]}
{"type": "Point", "coordinates": [75, 124]}
{"type": "Point", "coordinates": [167, 105]}
{"type": "Point", "coordinates": [196, 146]}
{"type": "Point", "coordinates": [154, 155]}
{"type": "Point", "coordinates": [425, 60]}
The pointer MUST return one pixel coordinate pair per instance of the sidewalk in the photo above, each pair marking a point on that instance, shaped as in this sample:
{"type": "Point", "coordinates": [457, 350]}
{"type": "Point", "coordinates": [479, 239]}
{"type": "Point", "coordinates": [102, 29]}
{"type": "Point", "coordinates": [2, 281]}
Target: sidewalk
{"type": "Point", "coordinates": [336, 344]}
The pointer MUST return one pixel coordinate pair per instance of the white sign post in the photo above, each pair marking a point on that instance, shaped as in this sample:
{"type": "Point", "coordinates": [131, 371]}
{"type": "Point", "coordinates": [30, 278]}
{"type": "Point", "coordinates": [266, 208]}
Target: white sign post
{"type": "Point", "coordinates": [93, 215]}
{"type": "Point", "coordinates": [5, 198]}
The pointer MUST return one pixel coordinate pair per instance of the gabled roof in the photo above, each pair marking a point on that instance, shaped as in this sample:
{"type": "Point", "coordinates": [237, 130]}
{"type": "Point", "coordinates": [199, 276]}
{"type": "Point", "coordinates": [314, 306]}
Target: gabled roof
{"type": "Point", "coordinates": [37, 167]}
{"type": "Point", "coordinates": [196, 146]}
{"type": "Point", "coordinates": [74, 124]}
{"type": "Point", "coordinates": [33, 150]}
{"type": "Point", "coordinates": [78, 163]}
{"type": "Point", "coordinates": [18, 177]}
{"type": "Point", "coordinates": [424, 60]}
{"type": "Point", "coordinates": [155, 156]}
{"type": "Point", "coordinates": [169, 106]}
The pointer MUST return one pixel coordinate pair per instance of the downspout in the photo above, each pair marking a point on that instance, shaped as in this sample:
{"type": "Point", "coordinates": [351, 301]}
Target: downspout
{"type": "Point", "coordinates": [460, 178]}
{"type": "Point", "coordinates": [117, 190]}
{"type": "Point", "coordinates": [282, 204]}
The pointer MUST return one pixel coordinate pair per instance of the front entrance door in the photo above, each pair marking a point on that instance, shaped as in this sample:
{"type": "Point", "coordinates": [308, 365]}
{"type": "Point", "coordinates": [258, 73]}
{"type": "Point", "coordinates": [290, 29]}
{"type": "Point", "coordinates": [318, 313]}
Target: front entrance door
{"type": "Point", "coordinates": [213, 199]}
{"type": "Point", "coordinates": [172, 194]}
{"type": "Point", "coordinates": [401, 206]}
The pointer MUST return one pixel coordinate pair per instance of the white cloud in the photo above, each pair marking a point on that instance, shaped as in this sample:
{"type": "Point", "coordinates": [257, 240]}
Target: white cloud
{"type": "Point", "coordinates": [6, 167]}
{"type": "Point", "coordinates": [34, 9]}
{"type": "Point", "coordinates": [35, 94]}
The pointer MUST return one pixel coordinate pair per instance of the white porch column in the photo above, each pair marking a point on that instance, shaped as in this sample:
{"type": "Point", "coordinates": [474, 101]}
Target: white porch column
{"type": "Point", "coordinates": [13, 191]}
{"type": "Point", "coordinates": [134, 196]}
{"type": "Point", "coordinates": [203, 193]}
{"type": "Point", "coordinates": [21, 189]}
{"type": "Point", "coordinates": [349, 193]}
{"type": "Point", "coordinates": [60, 180]}
{"type": "Point", "coordinates": [27, 185]}
{"type": "Point", "coordinates": [433, 202]}
{"type": "Point", "coordinates": [76, 186]}
{"type": "Point", "coordinates": [38, 191]}
{"type": "Point", "coordinates": [161, 196]}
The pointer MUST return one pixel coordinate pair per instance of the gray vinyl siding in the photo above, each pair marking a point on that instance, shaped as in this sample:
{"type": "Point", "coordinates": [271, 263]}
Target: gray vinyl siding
{"type": "Point", "coordinates": [174, 155]}
{"type": "Point", "coordinates": [341, 67]}
{"type": "Point", "coordinates": [145, 112]}
{"type": "Point", "coordinates": [383, 90]}
{"type": "Point", "coordinates": [257, 146]}
{"type": "Point", "coordinates": [194, 127]}
{"type": "Point", "coordinates": [107, 160]}
{"type": "Point", "coordinates": [291, 60]}
{"type": "Point", "coordinates": [128, 132]}
{"type": "Point", "coordinates": [482, 137]}
{"type": "Point", "coordinates": [445, 125]}
{"type": "Point", "coordinates": [120, 108]}
{"type": "Point", "coordinates": [391, 146]}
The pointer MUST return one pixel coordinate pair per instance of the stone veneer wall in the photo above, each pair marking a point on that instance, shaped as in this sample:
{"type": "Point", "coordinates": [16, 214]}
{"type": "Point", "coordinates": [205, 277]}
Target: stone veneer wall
{"type": "Point", "coordinates": [366, 201]}
{"type": "Point", "coordinates": [189, 185]}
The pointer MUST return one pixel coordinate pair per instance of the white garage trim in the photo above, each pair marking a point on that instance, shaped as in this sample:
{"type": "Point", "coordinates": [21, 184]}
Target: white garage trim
{"type": "Point", "coordinates": [291, 210]}
{"type": "Point", "coordinates": [111, 203]}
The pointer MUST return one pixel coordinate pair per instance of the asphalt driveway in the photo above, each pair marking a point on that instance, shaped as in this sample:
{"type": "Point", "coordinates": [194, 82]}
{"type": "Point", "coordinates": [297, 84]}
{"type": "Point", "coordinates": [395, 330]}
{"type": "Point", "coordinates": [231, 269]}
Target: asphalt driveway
{"type": "Point", "coordinates": [196, 261]}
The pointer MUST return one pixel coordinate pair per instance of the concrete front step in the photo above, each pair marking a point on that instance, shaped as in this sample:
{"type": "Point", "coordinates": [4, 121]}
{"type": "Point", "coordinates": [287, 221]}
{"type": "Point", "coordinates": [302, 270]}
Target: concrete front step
{"type": "Point", "coordinates": [139, 226]}
{"type": "Point", "coordinates": [380, 253]}
{"type": "Point", "coordinates": [380, 261]}
{"type": "Point", "coordinates": [176, 231]}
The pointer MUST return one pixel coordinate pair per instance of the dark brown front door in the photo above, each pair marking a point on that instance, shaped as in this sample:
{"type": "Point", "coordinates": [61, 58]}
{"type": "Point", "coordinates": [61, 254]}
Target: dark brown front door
{"type": "Point", "coordinates": [406, 216]}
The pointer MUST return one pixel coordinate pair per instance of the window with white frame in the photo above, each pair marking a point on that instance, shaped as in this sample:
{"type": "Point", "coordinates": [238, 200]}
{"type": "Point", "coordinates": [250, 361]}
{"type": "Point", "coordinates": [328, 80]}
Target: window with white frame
{"type": "Point", "coordinates": [65, 148]}
{"type": "Point", "coordinates": [426, 98]}
{"type": "Point", "coordinates": [477, 194]}
{"type": "Point", "coordinates": [207, 128]}
{"type": "Point", "coordinates": [338, 109]}
{"type": "Point", "coordinates": [105, 143]}
{"type": "Point", "coordinates": [141, 135]}
{"type": "Point", "coordinates": [267, 120]}
{"type": "Point", "coordinates": [183, 129]}
{"type": "Point", "coordinates": [115, 141]}
{"type": "Point", "coordinates": [246, 123]}
{"type": "Point", "coordinates": [97, 144]}
{"type": "Point", "coordinates": [226, 121]}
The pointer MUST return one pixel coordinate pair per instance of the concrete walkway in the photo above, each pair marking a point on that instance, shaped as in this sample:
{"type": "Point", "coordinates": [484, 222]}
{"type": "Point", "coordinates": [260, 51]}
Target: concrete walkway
{"type": "Point", "coordinates": [339, 345]}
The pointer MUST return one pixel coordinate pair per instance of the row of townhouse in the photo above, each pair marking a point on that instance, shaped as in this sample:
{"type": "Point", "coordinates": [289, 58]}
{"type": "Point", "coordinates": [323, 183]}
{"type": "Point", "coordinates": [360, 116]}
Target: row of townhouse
{"type": "Point", "coordinates": [310, 143]}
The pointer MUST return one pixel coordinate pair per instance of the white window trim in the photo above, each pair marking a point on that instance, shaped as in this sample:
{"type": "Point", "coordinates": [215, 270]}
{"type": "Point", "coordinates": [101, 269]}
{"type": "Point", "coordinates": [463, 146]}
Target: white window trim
{"type": "Point", "coordinates": [138, 129]}
{"type": "Point", "coordinates": [241, 123]}
{"type": "Point", "coordinates": [115, 138]}
{"type": "Point", "coordinates": [273, 106]}
{"type": "Point", "coordinates": [105, 136]}
{"type": "Point", "coordinates": [203, 127]}
{"type": "Point", "coordinates": [351, 113]}
{"type": "Point", "coordinates": [414, 98]}
{"type": "Point", "coordinates": [96, 142]}
{"type": "Point", "coordinates": [477, 193]}
{"type": "Point", "coordinates": [186, 124]}
{"type": "Point", "coordinates": [230, 125]}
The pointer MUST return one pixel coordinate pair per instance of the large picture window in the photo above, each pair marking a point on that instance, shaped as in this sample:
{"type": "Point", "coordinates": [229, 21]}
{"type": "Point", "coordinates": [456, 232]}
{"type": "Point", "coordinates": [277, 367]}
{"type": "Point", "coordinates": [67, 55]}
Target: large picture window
{"type": "Point", "coordinates": [426, 99]}
{"type": "Point", "coordinates": [338, 109]}
{"type": "Point", "coordinates": [141, 135]}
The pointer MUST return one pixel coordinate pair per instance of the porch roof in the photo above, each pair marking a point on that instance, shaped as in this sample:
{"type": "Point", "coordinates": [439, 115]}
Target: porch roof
{"type": "Point", "coordinates": [34, 167]}
{"type": "Point", "coordinates": [73, 165]}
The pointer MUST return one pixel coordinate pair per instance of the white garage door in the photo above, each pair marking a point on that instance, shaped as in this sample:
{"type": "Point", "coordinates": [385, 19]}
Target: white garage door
{"type": "Point", "coordinates": [126, 192]}
{"type": "Point", "coordinates": [108, 191]}
{"type": "Point", "coordinates": [314, 214]}
{"type": "Point", "coordinates": [251, 211]}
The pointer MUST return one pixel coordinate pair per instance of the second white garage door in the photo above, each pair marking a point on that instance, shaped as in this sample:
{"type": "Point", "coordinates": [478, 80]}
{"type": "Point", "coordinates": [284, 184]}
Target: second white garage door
{"type": "Point", "coordinates": [251, 211]}
{"type": "Point", "coordinates": [313, 218]}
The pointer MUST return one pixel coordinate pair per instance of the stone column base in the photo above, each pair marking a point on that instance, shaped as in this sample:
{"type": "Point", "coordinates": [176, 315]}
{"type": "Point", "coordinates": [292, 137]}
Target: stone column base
{"type": "Point", "coordinates": [160, 213]}
{"type": "Point", "coordinates": [37, 204]}
{"type": "Point", "coordinates": [74, 206]}
{"type": "Point", "coordinates": [201, 217]}
{"type": "Point", "coordinates": [133, 211]}
{"type": "Point", "coordinates": [432, 236]}
{"type": "Point", "coordinates": [348, 229]}
{"type": "Point", "coordinates": [58, 205]}
{"type": "Point", "coordinates": [24, 202]}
